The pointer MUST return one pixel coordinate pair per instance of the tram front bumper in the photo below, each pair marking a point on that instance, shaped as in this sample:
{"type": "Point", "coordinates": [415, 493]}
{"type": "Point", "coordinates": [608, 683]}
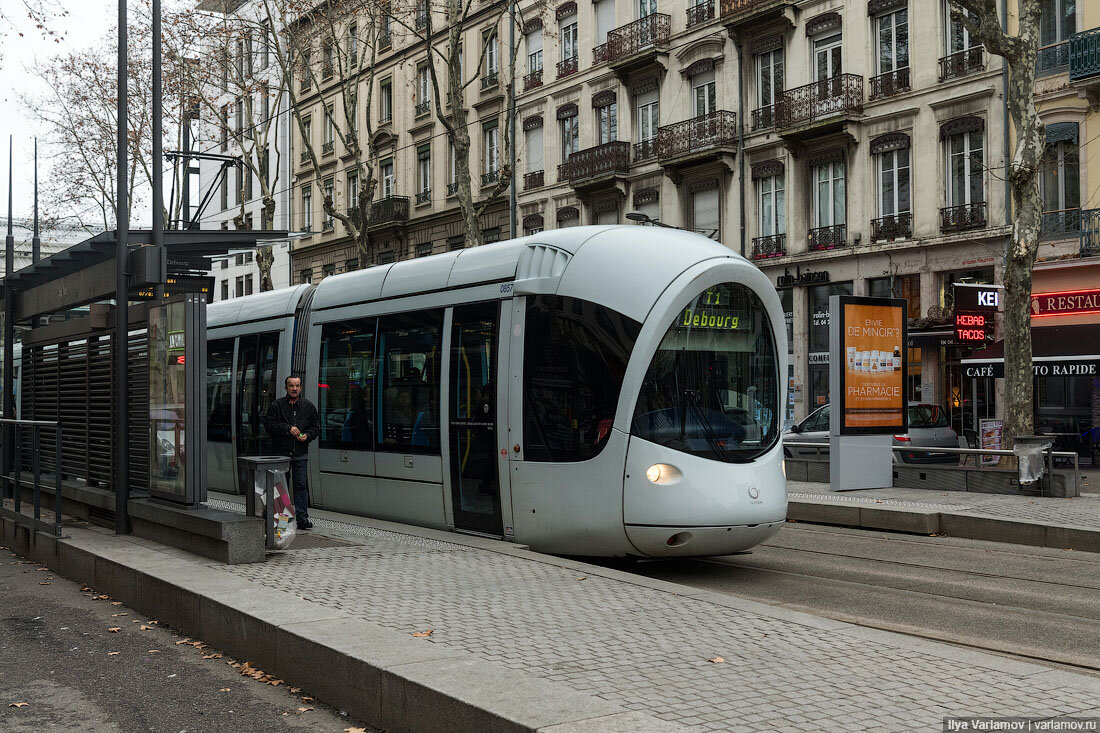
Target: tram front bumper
{"type": "Point", "coordinates": [698, 541]}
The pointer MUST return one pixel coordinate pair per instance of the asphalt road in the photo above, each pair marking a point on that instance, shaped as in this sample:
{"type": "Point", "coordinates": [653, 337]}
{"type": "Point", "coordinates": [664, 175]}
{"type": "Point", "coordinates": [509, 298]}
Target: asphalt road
{"type": "Point", "coordinates": [1032, 602]}
{"type": "Point", "coordinates": [63, 668]}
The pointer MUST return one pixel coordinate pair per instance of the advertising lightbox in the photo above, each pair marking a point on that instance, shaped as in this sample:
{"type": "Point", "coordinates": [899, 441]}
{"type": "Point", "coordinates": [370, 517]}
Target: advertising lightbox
{"type": "Point", "coordinates": [871, 364]}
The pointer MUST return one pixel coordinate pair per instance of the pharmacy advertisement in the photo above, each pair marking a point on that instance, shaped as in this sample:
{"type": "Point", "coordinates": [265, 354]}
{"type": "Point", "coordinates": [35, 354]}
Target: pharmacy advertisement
{"type": "Point", "coordinates": [872, 360]}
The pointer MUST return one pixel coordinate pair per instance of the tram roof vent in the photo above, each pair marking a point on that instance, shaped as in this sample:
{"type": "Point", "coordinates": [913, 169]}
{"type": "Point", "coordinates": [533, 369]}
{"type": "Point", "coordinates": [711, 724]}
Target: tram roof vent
{"type": "Point", "coordinates": [541, 262]}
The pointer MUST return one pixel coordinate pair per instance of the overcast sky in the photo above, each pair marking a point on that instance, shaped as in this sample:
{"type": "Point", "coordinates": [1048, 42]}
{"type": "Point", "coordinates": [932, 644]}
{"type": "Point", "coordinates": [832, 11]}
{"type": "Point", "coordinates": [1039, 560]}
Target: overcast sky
{"type": "Point", "coordinates": [88, 23]}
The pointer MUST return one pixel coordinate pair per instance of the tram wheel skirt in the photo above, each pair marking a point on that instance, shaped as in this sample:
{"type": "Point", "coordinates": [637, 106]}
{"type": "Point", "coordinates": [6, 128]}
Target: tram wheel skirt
{"type": "Point", "coordinates": [698, 541]}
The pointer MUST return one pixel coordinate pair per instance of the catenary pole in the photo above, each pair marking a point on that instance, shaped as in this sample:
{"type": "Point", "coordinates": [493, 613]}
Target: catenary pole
{"type": "Point", "coordinates": [9, 332]}
{"type": "Point", "coordinates": [122, 317]}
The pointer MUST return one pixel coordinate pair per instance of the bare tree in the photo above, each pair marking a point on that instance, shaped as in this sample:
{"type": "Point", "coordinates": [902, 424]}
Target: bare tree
{"type": "Point", "coordinates": [38, 16]}
{"type": "Point", "coordinates": [981, 19]}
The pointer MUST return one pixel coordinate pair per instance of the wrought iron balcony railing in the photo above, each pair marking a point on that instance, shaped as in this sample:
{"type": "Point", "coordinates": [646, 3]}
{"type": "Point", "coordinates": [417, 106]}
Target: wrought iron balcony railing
{"type": "Point", "coordinates": [889, 228]}
{"type": "Point", "coordinates": [385, 40]}
{"type": "Point", "coordinates": [1052, 59]}
{"type": "Point", "coordinates": [327, 148]}
{"type": "Point", "coordinates": [828, 237]}
{"type": "Point", "coordinates": [353, 214]}
{"type": "Point", "coordinates": [534, 179]}
{"type": "Point", "coordinates": [763, 118]}
{"type": "Point", "coordinates": [1090, 232]}
{"type": "Point", "coordinates": [328, 224]}
{"type": "Point", "coordinates": [890, 83]}
{"type": "Point", "coordinates": [490, 178]}
{"type": "Point", "coordinates": [304, 156]}
{"type": "Point", "coordinates": [599, 54]}
{"type": "Point", "coordinates": [645, 150]}
{"type": "Point", "coordinates": [567, 66]}
{"type": "Point", "coordinates": [423, 197]}
{"type": "Point", "coordinates": [1084, 54]}
{"type": "Point", "coordinates": [389, 210]}
{"type": "Point", "coordinates": [841, 94]}
{"type": "Point", "coordinates": [490, 80]}
{"type": "Point", "coordinates": [422, 109]}
{"type": "Point", "coordinates": [452, 188]}
{"type": "Point", "coordinates": [591, 162]}
{"type": "Point", "coordinates": [772, 245]}
{"type": "Point", "coordinates": [421, 21]}
{"type": "Point", "coordinates": [627, 40]}
{"type": "Point", "coordinates": [966, 216]}
{"type": "Point", "coordinates": [532, 80]}
{"type": "Point", "coordinates": [700, 13]}
{"type": "Point", "coordinates": [707, 131]}
{"type": "Point", "coordinates": [729, 7]}
{"type": "Point", "coordinates": [962, 63]}
{"type": "Point", "coordinates": [1064, 224]}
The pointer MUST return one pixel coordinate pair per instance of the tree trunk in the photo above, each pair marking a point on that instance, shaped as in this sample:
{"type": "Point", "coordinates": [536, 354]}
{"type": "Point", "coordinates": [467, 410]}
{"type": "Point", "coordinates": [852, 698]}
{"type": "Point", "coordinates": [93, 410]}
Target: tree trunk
{"type": "Point", "coordinates": [264, 259]}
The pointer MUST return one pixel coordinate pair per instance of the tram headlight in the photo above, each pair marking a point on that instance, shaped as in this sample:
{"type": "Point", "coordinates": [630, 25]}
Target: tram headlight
{"type": "Point", "coordinates": [662, 473]}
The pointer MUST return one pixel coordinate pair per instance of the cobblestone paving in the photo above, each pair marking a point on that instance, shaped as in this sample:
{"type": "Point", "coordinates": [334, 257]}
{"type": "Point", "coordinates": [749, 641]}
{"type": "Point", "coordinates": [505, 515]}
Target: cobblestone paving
{"type": "Point", "coordinates": [1081, 511]}
{"type": "Point", "coordinates": [646, 649]}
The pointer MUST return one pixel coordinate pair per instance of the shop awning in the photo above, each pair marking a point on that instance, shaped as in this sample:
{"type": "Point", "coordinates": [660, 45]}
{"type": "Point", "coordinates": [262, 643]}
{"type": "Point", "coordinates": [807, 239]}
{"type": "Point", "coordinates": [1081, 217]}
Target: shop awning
{"type": "Point", "coordinates": [1055, 351]}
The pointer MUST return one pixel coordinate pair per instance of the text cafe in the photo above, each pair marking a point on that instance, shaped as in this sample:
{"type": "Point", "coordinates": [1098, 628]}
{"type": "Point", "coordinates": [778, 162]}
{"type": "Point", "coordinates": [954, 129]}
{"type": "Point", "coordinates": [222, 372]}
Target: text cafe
{"type": "Point", "coordinates": [1065, 344]}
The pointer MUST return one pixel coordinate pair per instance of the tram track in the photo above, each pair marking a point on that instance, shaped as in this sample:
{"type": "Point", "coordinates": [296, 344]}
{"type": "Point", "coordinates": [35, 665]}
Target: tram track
{"type": "Point", "coordinates": [1035, 604]}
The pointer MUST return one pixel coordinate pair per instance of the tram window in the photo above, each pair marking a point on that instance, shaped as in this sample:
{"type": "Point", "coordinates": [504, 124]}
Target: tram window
{"type": "Point", "coordinates": [257, 360]}
{"type": "Point", "coordinates": [219, 389]}
{"type": "Point", "coordinates": [575, 355]}
{"type": "Point", "coordinates": [409, 349]}
{"type": "Point", "coordinates": [712, 387]}
{"type": "Point", "coordinates": [346, 389]}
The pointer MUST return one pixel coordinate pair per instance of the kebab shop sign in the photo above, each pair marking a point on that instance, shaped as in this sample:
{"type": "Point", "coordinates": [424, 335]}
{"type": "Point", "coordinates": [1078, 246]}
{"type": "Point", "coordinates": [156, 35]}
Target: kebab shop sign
{"type": "Point", "coordinates": [873, 380]}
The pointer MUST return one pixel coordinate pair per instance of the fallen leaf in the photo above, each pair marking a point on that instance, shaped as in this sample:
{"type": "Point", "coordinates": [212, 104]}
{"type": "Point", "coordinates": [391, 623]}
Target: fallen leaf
{"type": "Point", "coordinates": [100, 597]}
{"type": "Point", "coordinates": [284, 713]}
{"type": "Point", "coordinates": [25, 704]}
{"type": "Point", "coordinates": [275, 683]}
{"type": "Point", "coordinates": [43, 569]}
{"type": "Point", "coordinates": [115, 629]}
{"type": "Point", "coordinates": [45, 583]}
{"type": "Point", "coordinates": [583, 577]}
{"type": "Point", "coordinates": [145, 628]}
{"type": "Point", "coordinates": [308, 699]}
{"type": "Point", "coordinates": [116, 603]}
{"type": "Point", "coordinates": [152, 622]}
{"type": "Point", "coordinates": [154, 651]}
{"type": "Point", "coordinates": [295, 690]}
{"type": "Point", "coordinates": [355, 730]}
{"type": "Point", "coordinates": [120, 614]}
{"type": "Point", "coordinates": [423, 633]}
{"type": "Point", "coordinates": [182, 641]}
{"type": "Point", "coordinates": [211, 656]}
{"type": "Point", "coordinates": [300, 710]}
{"type": "Point", "coordinates": [113, 654]}
{"type": "Point", "coordinates": [716, 660]}
{"type": "Point", "coordinates": [224, 689]}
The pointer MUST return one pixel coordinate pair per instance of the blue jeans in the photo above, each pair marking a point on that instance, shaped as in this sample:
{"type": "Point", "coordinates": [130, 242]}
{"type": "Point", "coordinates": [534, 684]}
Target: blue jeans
{"type": "Point", "coordinates": [298, 473]}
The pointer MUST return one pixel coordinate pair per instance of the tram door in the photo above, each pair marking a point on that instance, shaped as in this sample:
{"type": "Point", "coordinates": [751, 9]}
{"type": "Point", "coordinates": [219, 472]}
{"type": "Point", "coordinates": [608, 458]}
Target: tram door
{"type": "Point", "coordinates": [257, 387]}
{"type": "Point", "coordinates": [475, 484]}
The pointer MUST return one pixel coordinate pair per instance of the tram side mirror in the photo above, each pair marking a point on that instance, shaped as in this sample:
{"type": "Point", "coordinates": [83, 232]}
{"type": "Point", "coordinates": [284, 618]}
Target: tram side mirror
{"type": "Point", "coordinates": [796, 428]}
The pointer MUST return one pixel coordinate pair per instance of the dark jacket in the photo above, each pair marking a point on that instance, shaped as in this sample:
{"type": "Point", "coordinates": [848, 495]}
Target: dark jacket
{"type": "Point", "coordinates": [282, 415]}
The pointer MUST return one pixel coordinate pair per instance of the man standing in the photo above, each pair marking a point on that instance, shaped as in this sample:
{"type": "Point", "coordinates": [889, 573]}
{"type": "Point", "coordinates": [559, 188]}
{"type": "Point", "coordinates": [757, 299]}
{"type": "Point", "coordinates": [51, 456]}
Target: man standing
{"type": "Point", "coordinates": [292, 422]}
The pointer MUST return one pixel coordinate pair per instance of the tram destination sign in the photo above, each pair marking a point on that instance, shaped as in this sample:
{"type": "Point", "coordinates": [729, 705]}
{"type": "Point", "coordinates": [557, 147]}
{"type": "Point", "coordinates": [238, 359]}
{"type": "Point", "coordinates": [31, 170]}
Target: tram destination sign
{"type": "Point", "coordinates": [178, 285]}
{"type": "Point", "coordinates": [713, 311]}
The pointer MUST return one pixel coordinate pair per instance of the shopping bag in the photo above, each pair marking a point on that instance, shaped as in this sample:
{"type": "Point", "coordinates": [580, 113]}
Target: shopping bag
{"type": "Point", "coordinates": [282, 508]}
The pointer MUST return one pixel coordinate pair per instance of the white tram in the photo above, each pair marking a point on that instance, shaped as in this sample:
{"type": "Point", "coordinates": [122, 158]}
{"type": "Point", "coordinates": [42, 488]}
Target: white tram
{"type": "Point", "coordinates": [589, 391]}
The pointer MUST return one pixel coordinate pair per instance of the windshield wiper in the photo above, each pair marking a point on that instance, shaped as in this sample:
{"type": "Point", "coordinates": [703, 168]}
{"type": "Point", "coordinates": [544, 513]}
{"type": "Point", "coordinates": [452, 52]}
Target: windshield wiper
{"type": "Point", "coordinates": [712, 439]}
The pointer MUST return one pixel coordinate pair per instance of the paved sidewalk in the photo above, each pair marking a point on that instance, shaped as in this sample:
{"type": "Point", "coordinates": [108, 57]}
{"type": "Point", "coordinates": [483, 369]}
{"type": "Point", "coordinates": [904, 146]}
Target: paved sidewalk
{"type": "Point", "coordinates": [525, 641]}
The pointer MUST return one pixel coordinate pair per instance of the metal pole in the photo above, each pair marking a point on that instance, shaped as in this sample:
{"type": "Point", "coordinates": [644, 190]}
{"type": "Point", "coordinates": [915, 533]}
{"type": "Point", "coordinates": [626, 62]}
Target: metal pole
{"type": "Point", "coordinates": [57, 479]}
{"type": "Point", "coordinates": [158, 154]}
{"type": "Point", "coordinates": [512, 207]}
{"type": "Point", "coordinates": [36, 242]}
{"type": "Point", "coordinates": [122, 317]}
{"type": "Point", "coordinates": [9, 334]}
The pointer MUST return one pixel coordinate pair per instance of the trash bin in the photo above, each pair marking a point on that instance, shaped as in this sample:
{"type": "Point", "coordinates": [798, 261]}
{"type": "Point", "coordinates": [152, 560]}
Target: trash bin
{"type": "Point", "coordinates": [266, 477]}
{"type": "Point", "coordinates": [1029, 451]}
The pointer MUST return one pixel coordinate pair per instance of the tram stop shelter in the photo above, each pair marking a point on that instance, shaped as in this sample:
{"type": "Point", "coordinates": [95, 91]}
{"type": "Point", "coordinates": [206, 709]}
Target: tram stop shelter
{"type": "Point", "coordinates": [64, 370]}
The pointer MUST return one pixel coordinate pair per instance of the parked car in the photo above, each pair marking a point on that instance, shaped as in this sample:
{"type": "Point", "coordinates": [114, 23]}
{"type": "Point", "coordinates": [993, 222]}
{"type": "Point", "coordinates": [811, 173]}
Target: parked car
{"type": "Point", "coordinates": [928, 428]}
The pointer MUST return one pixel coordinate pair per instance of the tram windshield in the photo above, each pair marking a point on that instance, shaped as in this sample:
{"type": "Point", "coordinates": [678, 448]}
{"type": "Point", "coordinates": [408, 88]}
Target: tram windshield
{"type": "Point", "coordinates": [712, 389]}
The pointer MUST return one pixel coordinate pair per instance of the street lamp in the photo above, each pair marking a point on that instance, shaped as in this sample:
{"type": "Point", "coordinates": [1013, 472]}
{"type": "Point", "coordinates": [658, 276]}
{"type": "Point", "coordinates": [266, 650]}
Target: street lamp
{"type": "Point", "coordinates": [647, 219]}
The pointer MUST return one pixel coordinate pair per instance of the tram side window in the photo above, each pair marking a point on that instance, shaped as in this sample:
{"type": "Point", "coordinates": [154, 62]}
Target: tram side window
{"type": "Point", "coordinates": [219, 389]}
{"type": "Point", "coordinates": [409, 348]}
{"type": "Point", "coordinates": [575, 356]}
{"type": "Point", "coordinates": [346, 394]}
{"type": "Point", "coordinates": [257, 361]}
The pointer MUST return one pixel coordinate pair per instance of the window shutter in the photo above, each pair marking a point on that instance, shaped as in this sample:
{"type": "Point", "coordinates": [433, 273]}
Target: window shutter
{"type": "Point", "coordinates": [534, 41]}
{"type": "Point", "coordinates": [605, 19]}
{"type": "Point", "coordinates": [705, 210]}
{"type": "Point", "coordinates": [534, 150]}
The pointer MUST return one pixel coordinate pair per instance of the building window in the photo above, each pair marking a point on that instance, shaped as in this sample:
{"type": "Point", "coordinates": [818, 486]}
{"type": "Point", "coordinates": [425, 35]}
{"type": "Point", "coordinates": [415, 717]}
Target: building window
{"type": "Point", "coordinates": [238, 185]}
{"type": "Point", "coordinates": [424, 249]}
{"type": "Point", "coordinates": [385, 100]}
{"type": "Point", "coordinates": [307, 208]}
{"type": "Point", "coordinates": [423, 173]}
{"type": "Point", "coordinates": [353, 45]}
{"type": "Point", "coordinates": [491, 147]}
{"type": "Point", "coordinates": [534, 156]}
{"type": "Point", "coordinates": [1060, 176]}
{"type": "Point", "coordinates": [329, 269]}
{"type": "Point", "coordinates": [307, 275]}
{"type": "Point", "coordinates": [1058, 21]}
{"type": "Point", "coordinates": [958, 37]}
{"type": "Point", "coordinates": [703, 93]}
{"type": "Point", "coordinates": [893, 182]}
{"type": "Point", "coordinates": [568, 39]}
{"type": "Point", "coordinates": [223, 123]}
{"type": "Point", "coordinates": [353, 189]}
{"type": "Point", "coordinates": [829, 194]}
{"type": "Point", "coordinates": [534, 52]}
{"type": "Point", "coordinates": [423, 89]}
{"type": "Point", "coordinates": [769, 84]}
{"type": "Point", "coordinates": [704, 212]}
{"type": "Point", "coordinates": [607, 117]}
{"type": "Point", "coordinates": [330, 130]}
{"type": "Point", "coordinates": [893, 41]}
{"type": "Point", "coordinates": [899, 286]}
{"type": "Point", "coordinates": [646, 8]}
{"type": "Point", "coordinates": [307, 135]}
{"type": "Point", "coordinates": [238, 116]}
{"type": "Point", "coordinates": [239, 290]}
{"type": "Point", "coordinates": [773, 205]}
{"type": "Point", "coordinates": [328, 187]}
{"type": "Point", "coordinates": [452, 175]}
{"type": "Point", "coordinates": [965, 169]}
{"type": "Point", "coordinates": [386, 169]}
{"type": "Point", "coordinates": [223, 194]}
{"type": "Point", "coordinates": [491, 235]}
{"type": "Point", "coordinates": [351, 265]}
{"type": "Point", "coordinates": [570, 136]}
{"type": "Point", "coordinates": [225, 289]}
{"type": "Point", "coordinates": [648, 121]}
{"type": "Point", "coordinates": [491, 43]}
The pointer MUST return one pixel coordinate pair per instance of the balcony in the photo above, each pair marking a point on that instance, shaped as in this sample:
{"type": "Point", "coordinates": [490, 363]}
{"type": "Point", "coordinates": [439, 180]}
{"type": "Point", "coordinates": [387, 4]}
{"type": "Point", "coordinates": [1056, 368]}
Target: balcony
{"type": "Point", "coordinates": [328, 147]}
{"type": "Point", "coordinates": [645, 150]}
{"type": "Point", "coordinates": [638, 44]}
{"type": "Point", "coordinates": [424, 197]}
{"type": "Point", "coordinates": [490, 80]}
{"type": "Point", "coordinates": [765, 248]}
{"type": "Point", "coordinates": [737, 12]}
{"type": "Point", "coordinates": [452, 189]}
{"type": "Point", "coordinates": [303, 157]}
{"type": "Point", "coordinates": [567, 67]}
{"type": "Point", "coordinates": [353, 214]}
{"type": "Point", "coordinates": [422, 109]}
{"type": "Point", "coordinates": [532, 80]}
{"type": "Point", "coordinates": [599, 54]}
{"type": "Point", "coordinates": [385, 40]}
{"type": "Point", "coordinates": [763, 118]}
{"type": "Point", "coordinates": [1052, 59]}
{"type": "Point", "coordinates": [700, 13]}
{"type": "Point", "coordinates": [808, 108]}
{"type": "Point", "coordinates": [890, 83]}
{"type": "Point", "coordinates": [824, 238]}
{"type": "Point", "coordinates": [960, 218]}
{"type": "Point", "coordinates": [697, 138]}
{"type": "Point", "coordinates": [389, 212]}
{"type": "Point", "coordinates": [585, 166]}
{"type": "Point", "coordinates": [421, 20]}
{"type": "Point", "coordinates": [1090, 233]}
{"type": "Point", "coordinates": [1064, 224]}
{"type": "Point", "coordinates": [963, 63]}
{"type": "Point", "coordinates": [488, 179]}
{"type": "Point", "coordinates": [534, 179]}
{"type": "Point", "coordinates": [328, 224]}
{"type": "Point", "coordinates": [889, 228]}
{"type": "Point", "coordinates": [1084, 55]}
